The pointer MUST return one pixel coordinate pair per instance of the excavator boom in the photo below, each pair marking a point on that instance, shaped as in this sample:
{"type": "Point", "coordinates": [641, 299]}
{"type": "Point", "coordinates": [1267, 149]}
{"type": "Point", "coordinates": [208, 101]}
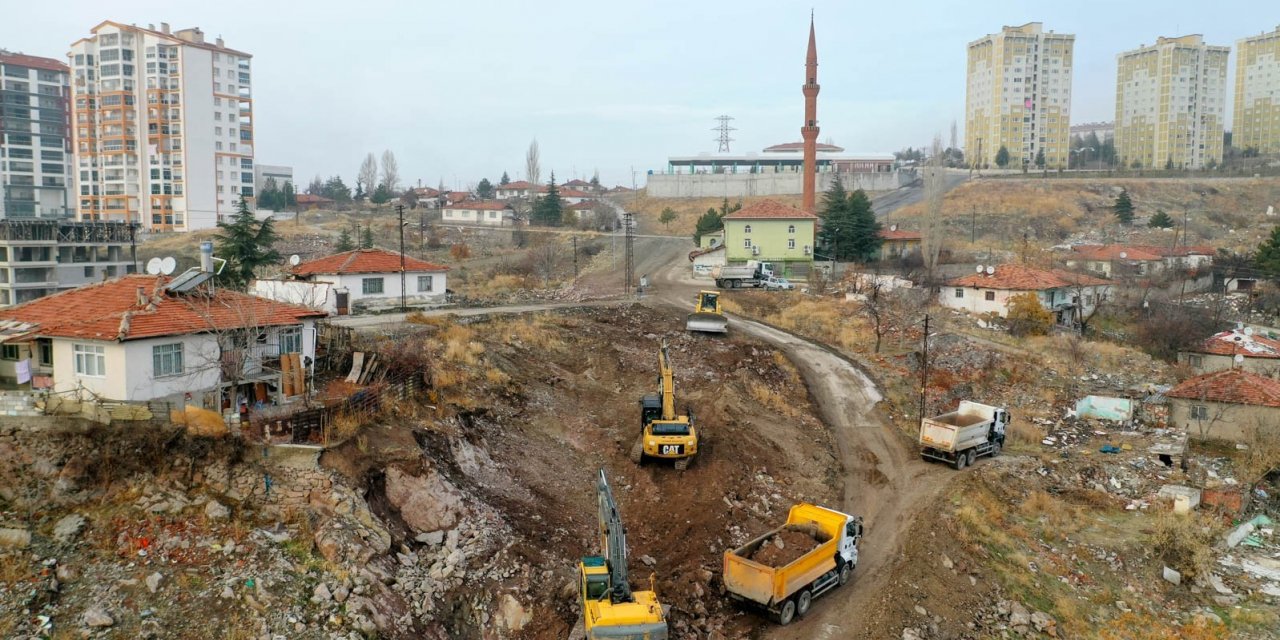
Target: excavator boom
{"type": "Point", "coordinates": [668, 384]}
{"type": "Point", "coordinates": [613, 539]}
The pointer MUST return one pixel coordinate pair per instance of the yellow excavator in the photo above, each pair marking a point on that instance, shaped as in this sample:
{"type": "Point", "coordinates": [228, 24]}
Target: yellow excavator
{"type": "Point", "coordinates": [663, 434]}
{"type": "Point", "coordinates": [610, 609]}
{"type": "Point", "coordinates": [707, 315]}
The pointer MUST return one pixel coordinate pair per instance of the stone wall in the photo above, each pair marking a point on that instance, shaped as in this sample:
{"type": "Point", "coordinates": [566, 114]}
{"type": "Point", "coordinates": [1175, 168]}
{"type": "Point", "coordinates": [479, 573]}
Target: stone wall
{"type": "Point", "coordinates": [729, 185]}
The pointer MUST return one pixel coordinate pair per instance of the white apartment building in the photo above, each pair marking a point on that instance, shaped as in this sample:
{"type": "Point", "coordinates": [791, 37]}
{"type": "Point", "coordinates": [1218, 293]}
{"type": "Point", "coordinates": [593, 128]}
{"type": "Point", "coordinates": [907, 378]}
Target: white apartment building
{"type": "Point", "coordinates": [35, 159]}
{"type": "Point", "coordinates": [1171, 104]}
{"type": "Point", "coordinates": [163, 127]}
{"type": "Point", "coordinates": [1018, 97]}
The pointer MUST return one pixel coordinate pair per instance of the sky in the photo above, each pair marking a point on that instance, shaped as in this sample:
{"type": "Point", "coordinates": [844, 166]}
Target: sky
{"type": "Point", "coordinates": [457, 90]}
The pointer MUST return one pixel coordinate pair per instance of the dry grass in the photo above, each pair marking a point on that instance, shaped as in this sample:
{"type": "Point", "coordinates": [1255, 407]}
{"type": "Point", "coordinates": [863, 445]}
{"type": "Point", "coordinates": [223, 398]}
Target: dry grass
{"type": "Point", "coordinates": [1184, 543]}
{"type": "Point", "coordinates": [771, 399]}
{"type": "Point", "coordinates": [533, 331]}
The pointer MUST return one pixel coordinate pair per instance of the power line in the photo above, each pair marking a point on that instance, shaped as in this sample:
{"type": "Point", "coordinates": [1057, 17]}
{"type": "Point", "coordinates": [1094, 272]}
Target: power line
{"type": "Point", "coordinates": [723, 129]}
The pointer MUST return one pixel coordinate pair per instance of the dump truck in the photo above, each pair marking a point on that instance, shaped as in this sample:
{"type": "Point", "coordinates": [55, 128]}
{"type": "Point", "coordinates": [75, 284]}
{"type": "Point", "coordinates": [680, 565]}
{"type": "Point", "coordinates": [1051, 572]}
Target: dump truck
{"type": "Point", "coordinates": [611, 610]}
{"type": "Point", "coordinates": [751, 274]}
{"type": "Point", "coordinates": [707, 316]}
{"type": "Point", "coordinates": [663, 433]}
{"type": "Point", "coordinates": [820, 553]}
{"type": "Point", "coordinates": [959, 437]}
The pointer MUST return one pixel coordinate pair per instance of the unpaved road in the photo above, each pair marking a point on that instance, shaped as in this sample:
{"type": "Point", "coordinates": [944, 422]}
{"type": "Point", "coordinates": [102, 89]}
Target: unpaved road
{"type": "Point", "coordinates": [884, 479]}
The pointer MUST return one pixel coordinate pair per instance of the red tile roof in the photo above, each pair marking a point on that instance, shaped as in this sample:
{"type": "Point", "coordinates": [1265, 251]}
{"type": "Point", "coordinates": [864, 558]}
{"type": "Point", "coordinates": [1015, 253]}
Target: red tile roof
{"type": "Point", "coordinates": [769, 209]}
{"type": "Point", "coordinates": [1016, 277]}
{"type": "Point", "coordinates": [898, 234]}
{"type": "Point", "coordinates": [480, 205]}
{"type": "Point", "coordinates": [585, 204]}
{"type": "Point", "coordinates": [577, 183]}
{"type": "Point", "coordinates": [454, 197]}
{"type": "Point", "coordinates": [364, 261]}
{"type": "Point", "coordinates": [518, 184]}
{"type": "Point", "coordinates": [799, 146]}
{"type": "Point", "coordinates": [573, 193]}
{"type": "Point", "coordinates": [1230, 343]}
{"type": "Point", "coordinates": [426, 192]}
{"type": "Point", "coordinates": [34, 62]}
{"type": "Point", "coordinates": [1233, 386]}
{"type": "Point", "coordinates": [113, 310]}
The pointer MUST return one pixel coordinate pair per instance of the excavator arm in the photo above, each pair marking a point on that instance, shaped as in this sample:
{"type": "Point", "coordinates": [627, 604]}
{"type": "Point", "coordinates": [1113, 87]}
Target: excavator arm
{"type": "Point", "coordinates": [668, 383]}
{"type": "Point", "coordinates": [613, 539]}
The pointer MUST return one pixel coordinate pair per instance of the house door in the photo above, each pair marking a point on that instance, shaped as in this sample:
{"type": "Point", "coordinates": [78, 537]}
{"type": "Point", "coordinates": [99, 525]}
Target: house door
{"type": "Point", "coordinates": [342, 299]}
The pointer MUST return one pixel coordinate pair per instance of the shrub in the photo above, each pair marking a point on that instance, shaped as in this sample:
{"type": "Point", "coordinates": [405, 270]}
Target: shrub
{"type": "Point", "coordinates": [1027, 317]}
{"type": "Point", "coordinates": [1184, 543]}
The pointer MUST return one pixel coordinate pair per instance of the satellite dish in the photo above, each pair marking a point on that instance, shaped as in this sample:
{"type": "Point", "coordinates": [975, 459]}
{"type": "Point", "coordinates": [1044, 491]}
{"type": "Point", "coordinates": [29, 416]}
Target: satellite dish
{"type": "Point", "coordinates": [153, 266]}
{"type": "Point", "coordinates": [1239, 358]}
{"type": "Point", "coordinates": [991, 271]}
{"type": "Point", "coordinates": [979, 268]}
{"type": "Point", "coordinates": [168, 265]}
{"type": "Point", "coordinates": [1123, 255]}
{"type": "Point", "coordinates": [295, 259]}
{"type": "Point", "coordinates": [893, 227]}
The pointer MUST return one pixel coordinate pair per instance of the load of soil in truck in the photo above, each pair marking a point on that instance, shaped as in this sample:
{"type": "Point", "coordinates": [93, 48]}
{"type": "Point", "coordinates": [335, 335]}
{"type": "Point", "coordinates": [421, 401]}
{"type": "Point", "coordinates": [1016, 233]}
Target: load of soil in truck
{"type": "Point", "coordinates": [785, 547]}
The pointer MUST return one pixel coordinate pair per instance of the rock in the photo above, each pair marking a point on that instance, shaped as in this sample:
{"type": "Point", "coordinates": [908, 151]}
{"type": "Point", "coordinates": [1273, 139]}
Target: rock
{"type": "Point", "coordinates": [216, 511]}
{"type": "Point", "coordinates": [65, 573]}
{"type": "Point", "coordinates": [321, 594]}
{"type": "Point", "coordinates": [648, 560]}
{"type": "Point", "coordinates": [1018, 615]}
{"type": "Point", "coordinates": [341, 594]}
{"type": "Point", "coordinates": [947, 563]}
{"type": "Point", "coordinates": [433, 538]}
{"type": "Point", "coordinates": [15, 538]}
{"type": "Point", "coordinates": [227, 593]}
{"type": "Point", "coordinates": [1172, 576]}
{"type": "Point", "coordinates": [342, 540]}
{"type": "Point", "coordinates": [70, 526]}
{"type": "Point", "coordinates": [511, 615]}
{"type": "Point", "coordinates": [427, 503]}
{"type": "Point", "coordinates": [911, 634]}
{"type": "Point", "coordinates": [154, 581]}
{"type": "Point", "coordinates": [1043, 622]}
{"type": "Point", "coordinates": [72, 474]}
{"type": "Point", "coordinates": [98, 617]}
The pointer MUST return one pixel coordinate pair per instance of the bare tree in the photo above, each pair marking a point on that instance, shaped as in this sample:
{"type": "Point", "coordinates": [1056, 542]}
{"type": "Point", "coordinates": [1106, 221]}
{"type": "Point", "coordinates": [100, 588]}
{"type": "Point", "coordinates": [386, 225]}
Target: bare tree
{"type": "Point", "coordinates": [546, 257]}
{"type": "Point", "coordinates": [931, 228]}
{"type": "Point", "coordinates": [532, 167]}
{"type": "Point", "coordinates": [368, 175]}
{"type": "Point", "coordinates": [390, 170]}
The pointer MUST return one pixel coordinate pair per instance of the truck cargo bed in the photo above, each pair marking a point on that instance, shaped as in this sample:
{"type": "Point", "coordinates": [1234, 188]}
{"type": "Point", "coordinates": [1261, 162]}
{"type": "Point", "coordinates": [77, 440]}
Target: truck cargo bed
{"type": "Point", "coordinates": [795, 543]}
{"type": "Point", "coordinates": [959, 420]}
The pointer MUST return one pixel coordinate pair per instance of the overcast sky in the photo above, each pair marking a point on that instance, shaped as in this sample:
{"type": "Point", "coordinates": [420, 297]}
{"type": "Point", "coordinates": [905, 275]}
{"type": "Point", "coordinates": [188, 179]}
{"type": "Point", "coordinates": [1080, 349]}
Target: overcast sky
{"type": "Point", "coordinates": [458, 89]}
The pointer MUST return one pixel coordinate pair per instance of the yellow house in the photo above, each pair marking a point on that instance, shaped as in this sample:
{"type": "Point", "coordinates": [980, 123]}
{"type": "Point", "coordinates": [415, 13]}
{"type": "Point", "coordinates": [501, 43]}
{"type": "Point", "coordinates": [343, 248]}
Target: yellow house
{"type": "Point", "coordinates": [770, 231]}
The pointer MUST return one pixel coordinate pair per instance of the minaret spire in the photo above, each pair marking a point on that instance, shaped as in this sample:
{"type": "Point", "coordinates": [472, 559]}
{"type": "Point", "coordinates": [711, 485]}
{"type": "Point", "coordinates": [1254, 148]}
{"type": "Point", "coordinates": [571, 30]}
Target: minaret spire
{"type": "Point", "coordinates": [810, 129]}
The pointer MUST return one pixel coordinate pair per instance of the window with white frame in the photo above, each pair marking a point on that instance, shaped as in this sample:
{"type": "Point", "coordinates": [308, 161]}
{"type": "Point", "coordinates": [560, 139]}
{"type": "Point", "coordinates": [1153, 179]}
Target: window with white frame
{"type": "Point", "coordinates": [746, 244]}
{"type": "Point", "coordinates": [291, 340]}
{"type": "Point", "coordinates": [791, 228]}
{"type": "Point", "coordinates": [166, 360]}
{"type": "Point", "coordinates": [91, 359]}
{"type": "Point", "coordinates": [424, 283]}
{"type": "Point", "coordinates": [1199, 412]}
{"type": "Point", "coordinates": [791, 243]}
{"type": "Point", "coordinates": [371, 285]}
{"type": "Point", "coordinates": [746, 229]}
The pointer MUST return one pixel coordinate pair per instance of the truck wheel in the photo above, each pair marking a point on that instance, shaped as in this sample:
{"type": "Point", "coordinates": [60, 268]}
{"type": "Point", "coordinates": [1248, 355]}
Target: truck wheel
{"type": "Point", "coordinates": [995, 448]}
{"type": "Point", "coordinates": [787, 613]}
{"type": "Point", "coordinates": [803, 602]}
{"type": "Point", "coordinates": [960, 461]}
{"type": "Point", "coordinates": [846, 571]}
{"type": "Point", "coordinates": [973, 455]}
{"type": "Point", "coordinates": [637, 452]}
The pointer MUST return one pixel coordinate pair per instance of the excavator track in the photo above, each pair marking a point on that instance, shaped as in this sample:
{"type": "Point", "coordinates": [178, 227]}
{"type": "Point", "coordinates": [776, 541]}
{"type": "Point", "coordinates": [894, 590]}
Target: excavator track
{"type": "Point", "coordinates": [637, 451]}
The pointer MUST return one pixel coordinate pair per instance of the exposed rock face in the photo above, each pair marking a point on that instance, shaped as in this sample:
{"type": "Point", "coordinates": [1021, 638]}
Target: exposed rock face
{"type": "Point", "coordinates": [98, 617]}
{"type": "Point", "coordinates": [511, 615]}
{"type": "Point", "coordinates": [15, 538]}
{"type": "Point", "coordinates": [427, 503]}
{"type": "Point", "coordinates": [66, 530]}
{"type": "Point", "coordinates": [216, 511]}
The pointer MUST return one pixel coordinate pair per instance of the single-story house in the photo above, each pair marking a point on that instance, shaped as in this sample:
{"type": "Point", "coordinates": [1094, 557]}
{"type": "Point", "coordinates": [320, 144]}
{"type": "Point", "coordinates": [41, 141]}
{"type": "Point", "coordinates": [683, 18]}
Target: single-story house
{"type": "Point", "coordinates": [573, 196]}
{"type": "Point", "coordinates": [357, 280]}
{"type": "Point", "coordinates": [308, 201]}
{"type": "Point", "coordinates": [517, 189]}
{"type": "Point", "coordinates": [580, 185]}
{"type": "Point", "coordinates": [427, 197]}
{"type": "Point", "coordinates": [1231, 404]}
{"type": "Point", "coordinates": [896, 243]}
{"type": "Point", "coordinates": [1138, 260]}
{"type": "Point", "coordinates": [151, 337]}
{"type": "Point", "coordinates": [1258, 353]}
{"type": "Point", "coordinates": [704, 260]}
{"type": "Point", "coordinates": [1065, 294]}
{"type": "Point", "coordinates": [489, 213]}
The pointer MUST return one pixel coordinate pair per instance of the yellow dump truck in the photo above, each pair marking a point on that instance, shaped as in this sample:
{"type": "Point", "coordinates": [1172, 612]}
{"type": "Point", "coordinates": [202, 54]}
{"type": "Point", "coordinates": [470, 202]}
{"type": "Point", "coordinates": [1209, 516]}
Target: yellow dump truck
{"type": "Point", "coordinates": [823, 553]}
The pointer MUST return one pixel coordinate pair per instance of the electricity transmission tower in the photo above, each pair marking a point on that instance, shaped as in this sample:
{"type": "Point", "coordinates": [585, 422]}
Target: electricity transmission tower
{"type": "Point", "coordinates": [723, 129]}
{"type": "Point", "coordinates": [629, 265]}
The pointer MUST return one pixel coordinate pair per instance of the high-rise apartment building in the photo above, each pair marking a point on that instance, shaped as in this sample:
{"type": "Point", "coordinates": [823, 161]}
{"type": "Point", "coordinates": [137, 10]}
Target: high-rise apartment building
{"type": "Point", "coordinates": [1019, 97]}
{"type": "Point", "coordinates": [1257, 109]}
{"type": "Point", "coordinates": [1170, 104]}
{"type": "Point", "coordinates": [35, 160]}
{"type": "Point", "coordinates": [163, 127]}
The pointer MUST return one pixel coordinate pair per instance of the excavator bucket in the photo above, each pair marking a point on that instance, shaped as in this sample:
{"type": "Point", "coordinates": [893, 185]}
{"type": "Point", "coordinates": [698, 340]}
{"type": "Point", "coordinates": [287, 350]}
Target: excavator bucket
{"type": "Point", "coordinates": [707, 322]}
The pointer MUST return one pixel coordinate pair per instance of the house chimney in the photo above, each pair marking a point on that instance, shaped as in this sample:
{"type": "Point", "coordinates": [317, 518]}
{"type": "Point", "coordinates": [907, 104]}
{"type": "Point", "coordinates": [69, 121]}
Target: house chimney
{"type": "Point", "coordinates": [220, 44]}
{"type": "Point", "coordinates": [164, 27]}
{"type": "Point", "coordinates": [142, 297]}
{"type": "Point", "coordinates": [151, 26]}
{"type": "Point", "coordinates": [206, 256]}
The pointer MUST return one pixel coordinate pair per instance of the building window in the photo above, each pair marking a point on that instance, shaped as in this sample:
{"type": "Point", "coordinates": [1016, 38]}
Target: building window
{"type": "Point", "coordinates": [959, 293]}
{"type": "Point", "coordinates": [46, 353]}
{"type": "Point", "coordinates": [371, 285]}
{"type": "Point", "coordinates": [746, 229]}
{"type": "Point", "coordinates": [990, 296]}
{"type": "Point", "coordinates": [291, 340]}
{"type": "Point", "coordinates": [791, 243]}
{"type": "Point", "coordinates": [1195, 360]}
{"type": "Point", "coordinates": [166, 360]}
{"type": "Point", "coordinates": [1199, 412]}
{"type": "Point", "coordinates": [791, 228]}
{"type": "Point", "coordinates": [91, 360]}
{"type": "Point", "coordinates": [88, 272]}
{"type": "Point", "coordinates": [10, 352]}
{"type": "Point", "coordinates": [746, 244]}
{"type": "Point", "coordinates": [424, 283]}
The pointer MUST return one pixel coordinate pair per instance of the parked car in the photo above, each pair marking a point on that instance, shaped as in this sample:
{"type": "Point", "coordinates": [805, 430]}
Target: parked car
{"type": "Point", "coordinates": [776, 283]}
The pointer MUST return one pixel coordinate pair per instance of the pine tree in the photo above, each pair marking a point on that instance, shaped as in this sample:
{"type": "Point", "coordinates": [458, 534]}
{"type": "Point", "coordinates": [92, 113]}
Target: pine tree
{"type": "Point", "coordinates": [866, 238]}
{"type": "Point", "coordinates": [1040, 158]}
{"type": "Point", "coordinates": [1123, 207]}
{"type": "Point", "coordinates": [709, 222]}
{"type": "Point", "coordinates": [549, 210]}
{"type": "Point", "coordinates": [366, 242]}
{"type": "Point", "coordinates": [836, 224]}
{"type": "Point", "coordinates": [667, 217]}
{"type": "Point", "coordinates": [381, 195]}
{"type": "Point", "coordinates": [484, 189]}
{"type": "Point", "coordinates": [344, 241]}
{"type": "Point", "coordinates": [246, 244]}
{"type": "Point", "coordinates": [1160, 220]}
{"type": "Point", "coordinates": [505, 180]}
{"type": "Point", "coordinates": [1268, 256]}
{"type": "Point", "coordinates": [1002, 157]}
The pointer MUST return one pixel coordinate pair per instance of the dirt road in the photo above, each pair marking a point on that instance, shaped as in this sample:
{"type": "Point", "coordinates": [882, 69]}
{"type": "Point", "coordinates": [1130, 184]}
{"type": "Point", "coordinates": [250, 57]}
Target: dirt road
{"type": "Point", "coordinates": [884, 480]}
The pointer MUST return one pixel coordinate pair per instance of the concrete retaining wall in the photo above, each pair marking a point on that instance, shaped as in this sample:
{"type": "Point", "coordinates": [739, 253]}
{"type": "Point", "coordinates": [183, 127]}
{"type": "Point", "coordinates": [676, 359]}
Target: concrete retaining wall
{"type": "Point", "coordinates": [730, 185]}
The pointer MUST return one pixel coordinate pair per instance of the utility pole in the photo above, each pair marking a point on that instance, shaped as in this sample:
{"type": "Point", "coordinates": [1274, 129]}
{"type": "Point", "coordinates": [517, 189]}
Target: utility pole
{"type": "Point", "coordinates": [924, 368]}
{"type": "Point", "coordinates": [575, 257]}
{"type": "Point", "coordinates": [629, 267]}
{"type": "Point", "coordinates": [400, 214]}
{"type": "Point", "coordinates": [973, 226]}
{"type": "Point", "coordinates": [422, 232]}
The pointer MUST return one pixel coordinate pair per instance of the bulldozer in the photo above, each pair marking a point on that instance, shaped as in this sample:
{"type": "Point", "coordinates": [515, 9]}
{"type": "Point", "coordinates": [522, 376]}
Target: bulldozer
{"type": "Point", "coordinates": [707, 316]}
{"type": "Point", "coordinates": [663, 434]}
{"type": "Point", "coordinates": [610, 609]}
